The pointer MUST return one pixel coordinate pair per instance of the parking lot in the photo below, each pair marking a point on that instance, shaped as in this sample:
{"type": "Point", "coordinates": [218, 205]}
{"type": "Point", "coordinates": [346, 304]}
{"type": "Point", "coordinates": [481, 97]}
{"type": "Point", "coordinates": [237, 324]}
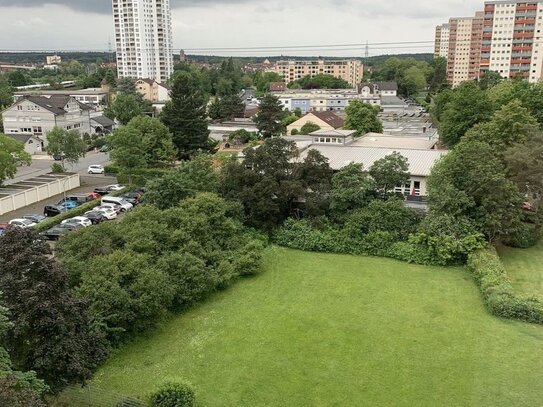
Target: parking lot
{"type": "Point", "coordinates": [88, 183]}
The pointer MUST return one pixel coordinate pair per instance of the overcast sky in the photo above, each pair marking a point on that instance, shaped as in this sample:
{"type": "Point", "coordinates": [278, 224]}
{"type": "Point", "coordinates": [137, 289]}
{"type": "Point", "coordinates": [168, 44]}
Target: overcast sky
{"type": "Point", "coordinates": [88, 24]}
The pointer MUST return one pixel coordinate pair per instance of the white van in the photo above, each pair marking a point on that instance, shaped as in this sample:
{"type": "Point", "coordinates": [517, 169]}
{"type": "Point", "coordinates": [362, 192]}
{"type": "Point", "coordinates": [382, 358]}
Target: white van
{"type": "Point", "coordinates": [125, 206]}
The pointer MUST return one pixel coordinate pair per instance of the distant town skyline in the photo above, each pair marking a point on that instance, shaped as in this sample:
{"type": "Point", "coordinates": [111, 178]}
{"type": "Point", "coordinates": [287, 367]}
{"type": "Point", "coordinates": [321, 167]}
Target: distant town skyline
{"type": "Point", "coordinates": [199, 24]}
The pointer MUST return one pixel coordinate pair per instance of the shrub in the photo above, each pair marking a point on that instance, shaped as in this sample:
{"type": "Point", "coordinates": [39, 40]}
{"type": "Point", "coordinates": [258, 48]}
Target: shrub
{"type": "Point", "coordinates": [309, 128]}
{"type": "Point", "coordinates": [78, 211]}
{"type": "Point", "coordinates": [295, 132]}
{"type": "Point", "coordinates": [56, 168]}
{"type": "Point", "coordinates": [390, 216]}
{"type": "Point", "coordinates": [525, 236]}
{"type": "Point", "coordinates": [173, 394]}
{"type": "Point", "coordinates": [497, 291]}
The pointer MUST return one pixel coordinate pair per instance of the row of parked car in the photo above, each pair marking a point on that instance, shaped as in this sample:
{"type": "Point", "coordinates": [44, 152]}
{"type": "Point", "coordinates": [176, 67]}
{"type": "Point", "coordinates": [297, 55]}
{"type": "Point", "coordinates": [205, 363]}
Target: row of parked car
{"type": "Point", "coordinates": [110, 207]}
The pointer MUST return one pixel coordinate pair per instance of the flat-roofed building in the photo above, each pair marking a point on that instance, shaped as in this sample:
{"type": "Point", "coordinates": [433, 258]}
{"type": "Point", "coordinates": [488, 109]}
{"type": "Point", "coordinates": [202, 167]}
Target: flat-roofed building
{"type": "Point", "coordinates": [351, 71]}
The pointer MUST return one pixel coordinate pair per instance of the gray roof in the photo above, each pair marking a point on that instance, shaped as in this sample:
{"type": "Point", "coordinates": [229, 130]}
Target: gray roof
{"type": "Point", "coordinates": [55, 104]}
{"type": "Point", "coordinates": [420, 161]}
{"type": "Point", "coordinates": [392, 101]}
{"type": "Point", "coordinates": [23, 138]}
{"type": "Point", "coordinates": [387, 85]}
{"type": "Point", "coordinates": [333, 133]}
{"type": "Point", "coordinates": [103, 121]}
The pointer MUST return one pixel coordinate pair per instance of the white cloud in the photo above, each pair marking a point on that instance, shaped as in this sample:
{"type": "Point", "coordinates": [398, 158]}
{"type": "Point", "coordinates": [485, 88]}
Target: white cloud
{"type": "Point", "coordinates": [238, 23]}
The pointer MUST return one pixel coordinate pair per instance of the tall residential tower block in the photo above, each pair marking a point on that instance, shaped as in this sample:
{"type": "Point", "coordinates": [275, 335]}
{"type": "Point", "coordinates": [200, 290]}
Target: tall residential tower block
{"type": "Point", "coordinates": [143, 37]}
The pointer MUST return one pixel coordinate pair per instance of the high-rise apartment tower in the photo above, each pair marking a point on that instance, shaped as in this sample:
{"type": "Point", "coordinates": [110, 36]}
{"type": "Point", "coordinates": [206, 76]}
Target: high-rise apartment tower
{"type": "Point", "coordinates": [143, 37]}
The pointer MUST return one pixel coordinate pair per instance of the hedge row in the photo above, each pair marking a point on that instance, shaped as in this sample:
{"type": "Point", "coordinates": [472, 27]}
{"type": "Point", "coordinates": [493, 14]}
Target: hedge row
{"type": "Point", "coordinates": [77, 211]}
{"type": "Point", "coordinates": [419, 248]}
{"type": "Point", "coordinates": [497, 291]}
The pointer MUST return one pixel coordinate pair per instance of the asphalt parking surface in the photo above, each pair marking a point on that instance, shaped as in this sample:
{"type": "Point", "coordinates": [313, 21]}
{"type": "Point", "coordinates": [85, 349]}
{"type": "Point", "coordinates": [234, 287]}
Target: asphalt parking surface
{"type": "Point", "coordinates": [88, 183]}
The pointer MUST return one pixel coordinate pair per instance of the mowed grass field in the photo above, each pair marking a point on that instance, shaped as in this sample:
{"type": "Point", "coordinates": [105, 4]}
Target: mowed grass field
{"type": "Point", "coordinates": [525, 268]}
{"type": "Point", "coordinates": [328, 330]}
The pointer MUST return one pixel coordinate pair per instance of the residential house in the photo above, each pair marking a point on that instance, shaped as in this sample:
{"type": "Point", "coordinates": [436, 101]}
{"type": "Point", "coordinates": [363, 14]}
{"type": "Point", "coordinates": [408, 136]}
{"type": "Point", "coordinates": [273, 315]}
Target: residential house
{"type": "Point", "coordinates": [153, 91]}
{"type": "Point", "coordinates": [326, 120]}
{"type": "Point", "coordinates": [32, 143]}
{"type": "Point", "coordinates": [37, 115]}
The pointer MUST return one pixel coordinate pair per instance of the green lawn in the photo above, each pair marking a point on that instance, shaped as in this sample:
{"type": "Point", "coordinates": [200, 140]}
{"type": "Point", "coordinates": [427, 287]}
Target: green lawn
{"type": "Point", "coordinates": [525, 268]}
{"type": "Point", "coordinates": [329, 330]}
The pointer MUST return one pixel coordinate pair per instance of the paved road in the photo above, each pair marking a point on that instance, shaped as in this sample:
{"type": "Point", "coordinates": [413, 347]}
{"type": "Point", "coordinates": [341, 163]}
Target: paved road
{"type": "Point", "coordinates": [88, 183]}
{"type": "Point", "coordinates": [42, 165]}
{"type": "Point", "coordinates": [247, 95]}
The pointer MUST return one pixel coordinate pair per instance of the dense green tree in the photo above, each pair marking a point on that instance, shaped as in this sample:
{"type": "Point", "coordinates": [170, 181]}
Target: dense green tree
{"type": "Point", "coordinates": [511, 124]}
{"type": "Point", "coordinates": [52, 332]}
{"type": "Point", "coordinates": [145, 137]}
{"type": "Point", "coordinates": [391, 216]}
{"type": "Point", "coordinates": [287, 120]}
{"type": "Point", "coordinates": [186, 117]}
{"type": "Point", "coordinates": [388, 173]}
{"type": "Point", "coordinates": [227, 108]}
{"type": "Point", "coordinates": [262, 80]}
{"type": "Point", "coordinates": [6, 92]}
{"type": "Point", "coordinates": [185, 181]}
{"type": "Point", "coordinates": [524, 165]}
{"type": "Point", "coordinates": [127, 292]}
{"type": "Point", "coordinates": [127, 151]}
{"type": "Point", "coordinates": [12, 156]}
{"type": "Point", "coordinates": [124, 108]}
{"type": "Point", "coordinates": [351, 189]}
{"type": "Point", "coordinates": [320, 81]}
{"type": "Point", "coordinates": [267, 183]}
{"type": "Point", "coordinates": [468, 106]}
{"type": "Point", "coordinates": [309, 127]}
{"type": "Point", "coordinates": [470, 182]}
{"type": "Point", "coordinates": [490, 79]}
{"type": "Point", "coordinates": [270, 116]}
{"type": "Point", "coordinates": [67, 144]}
{"type": "Point", "coordinates": [18, 78]}
{"type": "Point", "coordinates": [438, 77]}
{"type": "Point", "coordinates": [414, 81]}
{"type": "Point", "coordinates": [17, 389]}
{"type": "Point", "coordinates": [363, 118]}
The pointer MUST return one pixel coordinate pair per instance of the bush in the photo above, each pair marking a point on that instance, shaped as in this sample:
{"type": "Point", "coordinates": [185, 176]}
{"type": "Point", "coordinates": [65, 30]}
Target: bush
{"type": "Point", "coordinates": [56, 168]}
{"type": "Point", "coordinates": [295, 132]}
{"type": "Point", "coordinates": [173, 394]}
{"type": "Point", "coordinates": [78, 211]}
{"type": "Point", "coordinates": [390, 216]}
{"type": "Point", "coordinates": [497, 291]}
{"type": "Point", "coordinates": [525, 236]}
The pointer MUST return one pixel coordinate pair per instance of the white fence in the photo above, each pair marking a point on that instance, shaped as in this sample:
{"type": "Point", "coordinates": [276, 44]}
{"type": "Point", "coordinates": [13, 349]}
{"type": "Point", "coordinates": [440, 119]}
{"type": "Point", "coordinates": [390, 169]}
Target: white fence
{"type": "Point", "coordinates": [43, 189]}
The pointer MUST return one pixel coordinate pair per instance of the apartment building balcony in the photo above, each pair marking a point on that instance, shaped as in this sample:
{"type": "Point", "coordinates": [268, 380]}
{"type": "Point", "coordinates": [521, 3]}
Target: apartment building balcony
{"type": "Point", "coordinates": [521, 48]}
{"type": "Point", "coordinates": [487, 36]}
{"type": "Point", "coordinates": [523, 20]}
{"type": "Point", "coordinates": [526, 7]}
{"type": "Point", "coordinates": [520, 28]}
{"type": "Point", "coordinates": [518, 35]}
{"type": "Point", "coordinates": [521, 61]}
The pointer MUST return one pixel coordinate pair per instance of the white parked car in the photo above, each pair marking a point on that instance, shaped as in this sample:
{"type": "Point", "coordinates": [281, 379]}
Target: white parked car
{"type": "Point", "coordinates": [108, 212]}
{"type": "Point", "coordinates": [125, 205]}
{"type": "Point", "coordinates": [114, 188]}
{"type": "Point", "coordinates": [22, 223]}
{"type": "Point", "coordinates": [80, 220]}
{"type": "Point", "coordinates": [96, 169]}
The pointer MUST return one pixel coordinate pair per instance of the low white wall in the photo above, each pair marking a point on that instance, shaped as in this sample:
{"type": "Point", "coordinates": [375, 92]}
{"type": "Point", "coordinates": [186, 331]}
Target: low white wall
{"type": "Point", "coordinates": [39, 193]}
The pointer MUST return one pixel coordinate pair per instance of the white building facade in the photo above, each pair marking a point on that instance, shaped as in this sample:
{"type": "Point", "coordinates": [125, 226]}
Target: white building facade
{"type": "Point", "coordinates": [37, 115]}
{"type": "Point", "coordinates": [143, 37]}
{"type": "Point", "coordinates": [513, 40]}
{"type": "Point", "coordinates": [442, 41]}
